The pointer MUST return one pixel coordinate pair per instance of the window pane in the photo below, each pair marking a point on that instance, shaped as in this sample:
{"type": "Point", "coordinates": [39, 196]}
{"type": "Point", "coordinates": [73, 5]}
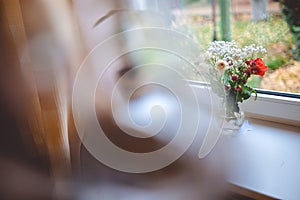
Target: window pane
{"type": "Point", "coordinates": [251, 24]}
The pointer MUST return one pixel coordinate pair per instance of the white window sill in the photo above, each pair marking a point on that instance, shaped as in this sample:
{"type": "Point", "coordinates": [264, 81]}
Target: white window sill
{"type": "Point", "coordinates": [266, 160]}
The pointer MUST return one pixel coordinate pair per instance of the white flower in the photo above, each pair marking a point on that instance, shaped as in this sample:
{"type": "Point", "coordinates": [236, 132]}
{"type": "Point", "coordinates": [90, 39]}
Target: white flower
{"type": "Point", "coordinates": [222, 65]}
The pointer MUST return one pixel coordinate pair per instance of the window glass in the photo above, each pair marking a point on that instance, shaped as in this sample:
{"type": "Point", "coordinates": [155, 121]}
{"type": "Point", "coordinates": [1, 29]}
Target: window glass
{"type": "Point", "coordinates": [261, 23]}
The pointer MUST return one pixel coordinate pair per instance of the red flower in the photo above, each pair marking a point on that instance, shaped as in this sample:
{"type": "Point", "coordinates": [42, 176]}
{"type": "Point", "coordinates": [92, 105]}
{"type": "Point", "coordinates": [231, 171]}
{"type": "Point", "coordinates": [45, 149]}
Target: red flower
{"type": "Point", "coordinates": [238, 88]}
{"type": "Point", "coordinates": [257, 66]}
{"type": "Point", "coordinates": [226, 87]}
{"type": "Point", "coordinates": [248, 70]}
{"type": "Point", "coordinates": [234, 77]}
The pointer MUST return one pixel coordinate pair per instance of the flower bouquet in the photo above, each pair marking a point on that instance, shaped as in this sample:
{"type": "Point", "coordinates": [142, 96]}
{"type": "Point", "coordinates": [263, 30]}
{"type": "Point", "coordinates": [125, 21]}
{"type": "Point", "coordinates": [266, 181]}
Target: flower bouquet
{"type": "Point", "coordinates": [230, 68]}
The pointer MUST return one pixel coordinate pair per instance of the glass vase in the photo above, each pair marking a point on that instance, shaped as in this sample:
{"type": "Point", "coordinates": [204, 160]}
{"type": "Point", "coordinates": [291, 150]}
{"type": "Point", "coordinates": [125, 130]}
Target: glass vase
{"type": "Point", "coordinates": [234, 119]}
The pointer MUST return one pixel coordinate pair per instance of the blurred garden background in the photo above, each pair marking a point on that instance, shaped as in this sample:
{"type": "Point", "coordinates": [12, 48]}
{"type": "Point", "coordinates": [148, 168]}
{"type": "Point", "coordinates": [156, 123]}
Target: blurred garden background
{"type": "Point", "coordinates": [276, 30]}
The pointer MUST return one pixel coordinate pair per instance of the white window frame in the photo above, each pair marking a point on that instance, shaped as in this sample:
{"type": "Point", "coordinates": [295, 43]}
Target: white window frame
{"type": "Point", "coordinates": [274, 108]}
{"type": "Point", "coordinates": [269, 107]}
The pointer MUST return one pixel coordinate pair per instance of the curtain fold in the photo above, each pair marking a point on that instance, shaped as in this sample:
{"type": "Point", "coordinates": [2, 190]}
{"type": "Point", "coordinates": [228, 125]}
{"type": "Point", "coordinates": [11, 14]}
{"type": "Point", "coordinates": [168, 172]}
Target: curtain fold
{"type": "Point", "coordinates": [43, 51]}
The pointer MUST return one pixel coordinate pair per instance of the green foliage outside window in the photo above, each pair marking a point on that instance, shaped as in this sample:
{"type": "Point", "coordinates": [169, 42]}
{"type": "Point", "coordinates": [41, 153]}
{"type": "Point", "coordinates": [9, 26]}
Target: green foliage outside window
{"type": "Point", "coordinates": [291, 10]}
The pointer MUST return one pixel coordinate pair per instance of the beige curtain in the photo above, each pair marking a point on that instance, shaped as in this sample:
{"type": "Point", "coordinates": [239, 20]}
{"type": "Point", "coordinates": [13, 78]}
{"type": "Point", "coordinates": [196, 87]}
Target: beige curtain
{"type": "Point", "coordinates": [41, 48]}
